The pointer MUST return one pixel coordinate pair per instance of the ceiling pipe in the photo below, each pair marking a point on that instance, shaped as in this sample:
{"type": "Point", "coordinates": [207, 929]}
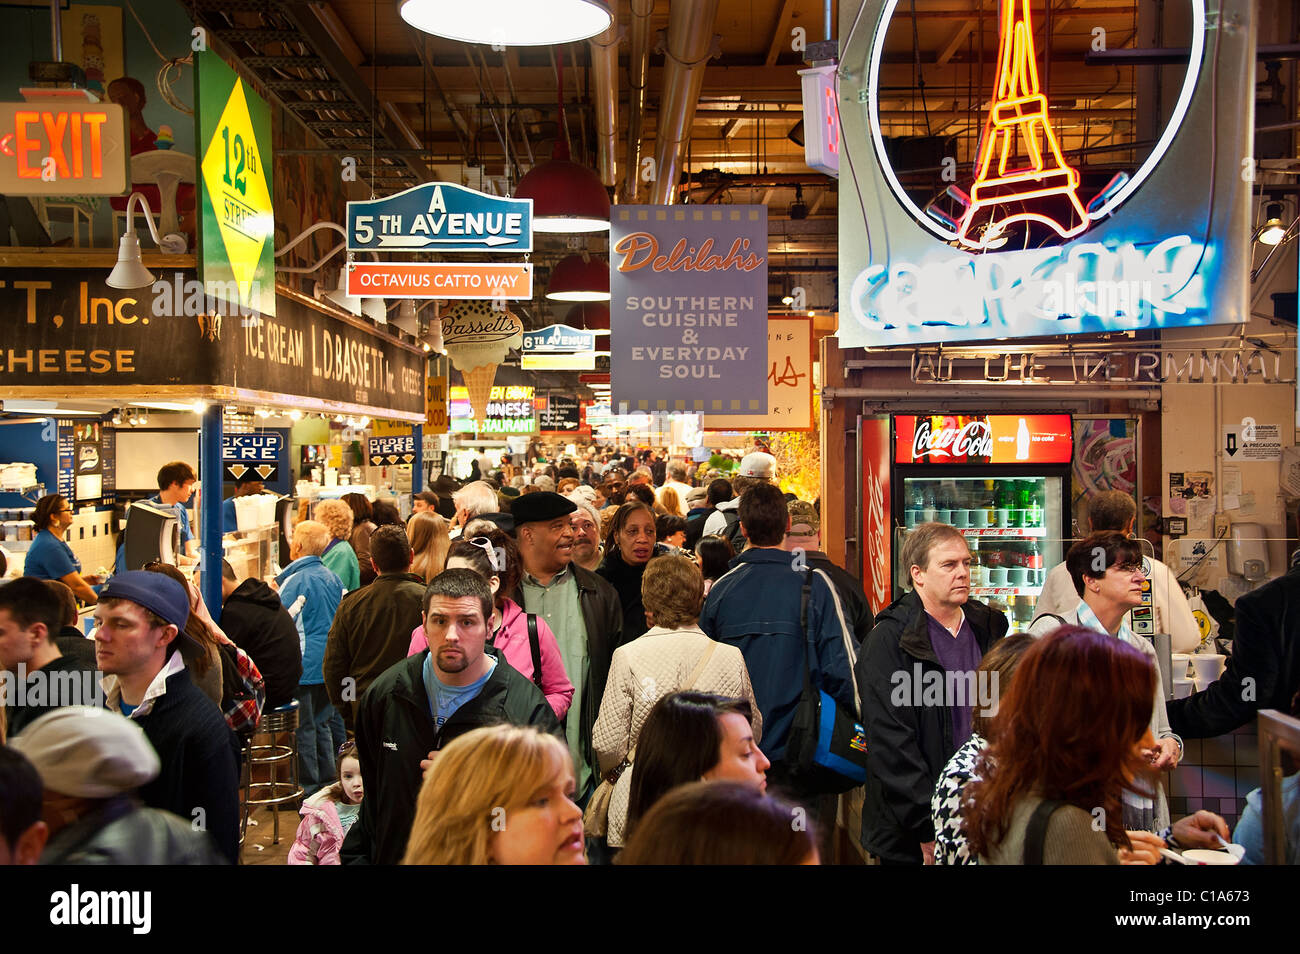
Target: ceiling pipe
{"type": "Point", "coordinates": [638, 65]}
{"type": "Point", "coordinates": [690, 44]}
{"type": "Point", "coordinates": [604, 68]}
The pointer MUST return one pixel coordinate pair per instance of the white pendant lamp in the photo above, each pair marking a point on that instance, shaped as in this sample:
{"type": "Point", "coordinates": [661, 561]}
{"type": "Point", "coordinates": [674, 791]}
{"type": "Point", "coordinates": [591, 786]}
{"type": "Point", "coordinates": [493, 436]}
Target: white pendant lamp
{"type": "Point", "coordinates": [508, 22]}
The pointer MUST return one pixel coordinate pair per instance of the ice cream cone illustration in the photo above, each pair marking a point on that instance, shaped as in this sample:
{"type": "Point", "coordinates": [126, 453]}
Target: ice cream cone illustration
{"type": "Point", "coordinates": [478, 383]}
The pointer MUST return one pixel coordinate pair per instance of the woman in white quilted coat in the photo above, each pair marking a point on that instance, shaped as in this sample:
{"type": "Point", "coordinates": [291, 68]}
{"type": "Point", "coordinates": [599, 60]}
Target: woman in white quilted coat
{"type": "Point", "coordinates": [674, 655]}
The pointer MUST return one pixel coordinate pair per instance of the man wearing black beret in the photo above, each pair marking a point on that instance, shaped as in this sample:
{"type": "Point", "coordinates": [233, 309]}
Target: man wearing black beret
{"type": "Point", "coordinates": [582, 610]}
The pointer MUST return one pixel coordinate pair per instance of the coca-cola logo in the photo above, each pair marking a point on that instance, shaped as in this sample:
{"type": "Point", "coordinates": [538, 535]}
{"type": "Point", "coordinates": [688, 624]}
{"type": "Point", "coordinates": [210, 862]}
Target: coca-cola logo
{"type": "Point", "coordinates": [974, 439]}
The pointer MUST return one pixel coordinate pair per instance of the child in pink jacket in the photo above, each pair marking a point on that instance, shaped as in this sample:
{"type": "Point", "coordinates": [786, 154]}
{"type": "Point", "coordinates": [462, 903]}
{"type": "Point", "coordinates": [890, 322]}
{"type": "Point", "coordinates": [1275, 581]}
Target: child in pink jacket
{"type": "Point", "coordinates": [327, 815]}
{"type": "Point", "coordinates": [496, 559]}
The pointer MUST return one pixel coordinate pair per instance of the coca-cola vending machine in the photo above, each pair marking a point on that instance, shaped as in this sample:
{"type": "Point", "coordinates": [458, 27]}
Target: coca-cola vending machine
{"type": "Point", "coordinates": [1004, 481]}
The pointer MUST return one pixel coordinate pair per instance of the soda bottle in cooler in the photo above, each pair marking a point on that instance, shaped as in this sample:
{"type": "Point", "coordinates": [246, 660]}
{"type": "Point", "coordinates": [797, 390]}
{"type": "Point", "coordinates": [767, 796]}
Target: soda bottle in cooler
{"type": "Point", "coordinates": [1035, 515]}
{"type": "Point", "coordinates": [1034, 561]}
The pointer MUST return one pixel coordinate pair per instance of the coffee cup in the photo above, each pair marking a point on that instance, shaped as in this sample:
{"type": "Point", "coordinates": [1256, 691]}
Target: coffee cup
{"type": "Point", "coordinates": [961, 518]}
{"type": "Point", "coordinates": [943, 516]}
{"type": "Point", "coordinates": [1208, 666]}
{"type": "Point", "coordinates": [1206, 856]}
{"type": "Point", "coordinates": [1017, 576]}
{"type": "Point", "coordinates": [997, 576]}
{"type": "Point", "coordinates": [928, 514]}
{"type": "Point", "coordinates": [1183, 687]}
{"type": "Point", "coordinates": [979, 518]}
{"type": "Point", "coordinates": [1178, 663]}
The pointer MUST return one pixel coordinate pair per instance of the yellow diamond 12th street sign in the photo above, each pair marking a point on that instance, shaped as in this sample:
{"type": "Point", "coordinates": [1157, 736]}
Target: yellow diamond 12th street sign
{"type": "Point", "coordinates": [237, 226]}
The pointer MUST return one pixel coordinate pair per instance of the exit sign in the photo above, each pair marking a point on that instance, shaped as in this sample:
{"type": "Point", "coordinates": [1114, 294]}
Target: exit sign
{"type": "Point", "coordinates": [56, 148]}
{"type": "Point", "coordinates": [821, 119]}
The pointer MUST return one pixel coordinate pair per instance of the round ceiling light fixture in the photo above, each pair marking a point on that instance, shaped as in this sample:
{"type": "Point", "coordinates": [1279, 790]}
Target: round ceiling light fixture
{"type": "Point", "coordinates": [509, 22]}
{"type": "Point", "coordinates": [579, 278]}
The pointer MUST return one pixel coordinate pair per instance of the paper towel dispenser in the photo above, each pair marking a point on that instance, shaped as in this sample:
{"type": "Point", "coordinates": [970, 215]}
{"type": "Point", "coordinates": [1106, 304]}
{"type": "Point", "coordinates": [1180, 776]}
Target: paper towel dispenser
{"type": "Point", "coordinates": [1248, 551]}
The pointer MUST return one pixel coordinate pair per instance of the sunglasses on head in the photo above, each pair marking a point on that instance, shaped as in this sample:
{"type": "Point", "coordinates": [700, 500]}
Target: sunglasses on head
{"type": "Point", "coordinates": [486, 544]}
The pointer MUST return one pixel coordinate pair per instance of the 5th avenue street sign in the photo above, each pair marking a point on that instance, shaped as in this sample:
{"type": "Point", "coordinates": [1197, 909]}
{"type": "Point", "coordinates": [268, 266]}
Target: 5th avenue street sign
{"type": "Point", "coordinates": [441, 217]}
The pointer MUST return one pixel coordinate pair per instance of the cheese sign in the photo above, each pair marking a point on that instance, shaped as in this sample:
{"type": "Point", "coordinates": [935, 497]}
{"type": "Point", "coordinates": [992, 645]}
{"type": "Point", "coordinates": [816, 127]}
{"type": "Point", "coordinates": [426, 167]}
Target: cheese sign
{"type": "Point", "coordinates": [58, 148]}
{"type": "Point", "coordinates": [441, 217]}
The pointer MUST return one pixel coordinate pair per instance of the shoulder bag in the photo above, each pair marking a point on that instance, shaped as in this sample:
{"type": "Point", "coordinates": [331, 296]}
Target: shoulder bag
{"type": "Point", "coordinates": [826, 752]}
{"type": "Point", "coordinates": [595, 820]}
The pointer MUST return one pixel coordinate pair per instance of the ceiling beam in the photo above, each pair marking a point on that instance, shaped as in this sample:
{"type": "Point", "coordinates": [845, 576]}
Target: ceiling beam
{"type": "Point", "coordinates": [781, 34]}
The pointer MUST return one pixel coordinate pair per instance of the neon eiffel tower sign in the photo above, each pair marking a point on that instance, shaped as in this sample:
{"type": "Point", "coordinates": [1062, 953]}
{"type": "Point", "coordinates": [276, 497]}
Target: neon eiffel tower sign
{"type": "Point", "coordinates": [1006, 189]}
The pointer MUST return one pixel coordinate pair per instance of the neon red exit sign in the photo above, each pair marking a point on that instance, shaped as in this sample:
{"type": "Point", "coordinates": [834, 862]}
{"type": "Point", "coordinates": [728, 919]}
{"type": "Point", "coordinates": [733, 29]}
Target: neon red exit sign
{"type": "Point", "coordinates": [52, 148]}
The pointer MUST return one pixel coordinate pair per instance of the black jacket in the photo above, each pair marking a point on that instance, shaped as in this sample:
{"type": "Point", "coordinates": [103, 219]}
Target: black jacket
{"type": "Point", "coordinates": [257, 622]}
{"type": "Point", "coordinates": [907, 745]}
{"type": "Point", "coordinates": [395, 731]}
{"type": "Point", "coordinates": [626, 580]}
{"type": "Point", "coordinates": [200, 762]}
{"type": "Point", "coordinates": [121, 831]}
{"type": "Point", "coordinates": [857, 610]}
{"type": "Point", "coordinates": [602, 615]}
{"type": "Point", "coordinates": [1266, 649]}
{"type": "Point", "coordinates": [371, 632]}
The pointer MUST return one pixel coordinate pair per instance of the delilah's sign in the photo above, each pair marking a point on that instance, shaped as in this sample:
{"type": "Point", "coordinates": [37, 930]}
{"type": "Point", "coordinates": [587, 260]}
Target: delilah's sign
{"type": "Point", "coordinates": [688, 308]}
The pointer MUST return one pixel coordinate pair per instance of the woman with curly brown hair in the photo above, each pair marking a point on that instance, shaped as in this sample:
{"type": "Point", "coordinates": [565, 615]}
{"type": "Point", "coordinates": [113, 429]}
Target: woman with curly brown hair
{"type": "Point", "coordinates": [339, 555]}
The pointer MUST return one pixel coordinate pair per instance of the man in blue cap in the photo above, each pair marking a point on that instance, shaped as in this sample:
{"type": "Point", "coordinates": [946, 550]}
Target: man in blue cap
{"type": "Point", "coordinates": [139, 621]}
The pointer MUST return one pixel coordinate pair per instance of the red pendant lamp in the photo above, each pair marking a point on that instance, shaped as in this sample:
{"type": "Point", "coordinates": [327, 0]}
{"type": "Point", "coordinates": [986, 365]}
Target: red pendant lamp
{"type": "Point", "coordinates": [579, 278]}
{"type": "Point", "coordinates": [567, 196]}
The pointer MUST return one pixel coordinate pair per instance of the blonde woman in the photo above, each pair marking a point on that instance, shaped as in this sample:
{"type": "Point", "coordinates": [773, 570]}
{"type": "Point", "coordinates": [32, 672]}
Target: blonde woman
{"type": "Point", "coordinates": [430, 538]}
{"type": "Point", "coordinates": [674, 655]}
{"type": "Point", "coordinates": [339, 556]}
{"type": "Point", "coordinates": [667, 500]}
{"type": "Point", "coordinates": [498, 795]}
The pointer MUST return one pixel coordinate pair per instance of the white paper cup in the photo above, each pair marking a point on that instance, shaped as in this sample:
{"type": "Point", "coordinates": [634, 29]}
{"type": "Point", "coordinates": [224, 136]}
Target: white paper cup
{"type": "Point", "coordinates": [1017, 575]}
{"type": "Point", "coordinates": [997, 576]}
{"type": "Point", "coordinates": [1004, 517]}
{"type": "Point", "coordinates": [979, 518]}
{"type": "Point", "coordinates": [928, 514]}
{"type": "Point", "coordinates": [1183, 687]}
{"type": "Point", "coordinates": [1208, 666]}
{"type": "Point", "coordinates": [961, 518]}
{"type": "Point", "coordinates": [1178, 663]}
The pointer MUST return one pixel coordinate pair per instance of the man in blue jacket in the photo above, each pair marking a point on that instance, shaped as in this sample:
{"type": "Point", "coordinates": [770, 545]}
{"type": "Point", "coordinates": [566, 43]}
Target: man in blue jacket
{"type": "Point", "coordinates": [311, 592]}
{"type": "Point", "coordinates": [756, 607]}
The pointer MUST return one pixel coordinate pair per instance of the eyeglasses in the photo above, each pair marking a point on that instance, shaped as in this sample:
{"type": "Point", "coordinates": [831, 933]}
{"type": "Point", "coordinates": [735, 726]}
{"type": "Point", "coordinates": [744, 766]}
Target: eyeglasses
{"type": "Point", "coordinates": [486, 544]}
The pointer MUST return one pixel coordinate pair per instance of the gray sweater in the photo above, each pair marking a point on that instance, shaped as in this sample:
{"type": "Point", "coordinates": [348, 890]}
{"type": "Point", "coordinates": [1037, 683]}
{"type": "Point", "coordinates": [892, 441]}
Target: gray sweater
{"type": "Point", "coordinates": [1070, 839]}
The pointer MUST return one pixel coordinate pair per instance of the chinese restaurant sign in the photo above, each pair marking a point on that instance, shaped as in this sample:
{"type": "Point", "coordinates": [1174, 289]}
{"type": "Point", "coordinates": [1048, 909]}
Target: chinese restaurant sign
{"type": "Point", "coordinates": [789, 382]}
{"type": "Point", "coordinates": [441, 217]}
{"type": "Point", "coordinates": [509, 411]}
{"type": "Point", "coordinates": [62, 148]}
{"type": "Point", "coordinates": [688, 308]}
{"type": "Point", "coordinates": [1028, 241]}
{"type": "Point", "coordinates": [237, 223]}
{"type": "Point", "coordinates": [983, 439]}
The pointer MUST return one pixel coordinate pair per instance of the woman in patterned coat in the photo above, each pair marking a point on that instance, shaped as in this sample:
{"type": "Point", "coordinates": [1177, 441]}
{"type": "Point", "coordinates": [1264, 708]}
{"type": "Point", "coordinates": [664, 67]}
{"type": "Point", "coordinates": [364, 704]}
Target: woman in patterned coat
{"type": "Point", "coordinates": [672, 656]}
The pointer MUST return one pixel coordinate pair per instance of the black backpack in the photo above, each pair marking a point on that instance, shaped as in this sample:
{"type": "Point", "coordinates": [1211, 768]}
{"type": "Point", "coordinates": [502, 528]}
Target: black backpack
{"type": "Point", "coordinates": [732, 532]}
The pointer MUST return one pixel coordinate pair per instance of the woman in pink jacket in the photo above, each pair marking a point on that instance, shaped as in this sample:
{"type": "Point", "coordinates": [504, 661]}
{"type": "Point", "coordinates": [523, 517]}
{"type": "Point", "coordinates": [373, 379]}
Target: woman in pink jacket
{"type": "Point", "coordinates": [496, 558]}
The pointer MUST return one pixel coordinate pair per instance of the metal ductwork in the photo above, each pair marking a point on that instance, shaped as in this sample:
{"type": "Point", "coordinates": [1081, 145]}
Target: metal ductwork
{"type": "Point", "coordinates": [638, 65]}
{"type": "Point", "coordinates": [690, 44]}
{"type": "Point", "coordinates": [604, 67]}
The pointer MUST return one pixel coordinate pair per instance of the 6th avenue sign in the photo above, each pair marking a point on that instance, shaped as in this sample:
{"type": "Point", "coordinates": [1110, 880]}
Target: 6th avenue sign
{"type": "Point", "coordinates": [441, 217]}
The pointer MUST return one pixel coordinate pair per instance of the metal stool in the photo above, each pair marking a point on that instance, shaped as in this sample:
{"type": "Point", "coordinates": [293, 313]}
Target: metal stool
{"type": "Point", "coordinates": [277, 791]}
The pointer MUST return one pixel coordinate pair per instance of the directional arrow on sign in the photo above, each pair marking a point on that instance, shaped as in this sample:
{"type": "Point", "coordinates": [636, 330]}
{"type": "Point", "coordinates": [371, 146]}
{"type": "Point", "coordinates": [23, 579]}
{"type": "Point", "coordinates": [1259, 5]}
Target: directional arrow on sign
{"type": "Point", "coordinates": [391, 458]}
{"type": "Point", "coordinates": [1230, 445]}
{"type": "Point", "coordinates": [376, 461]}
{"type": "Point", "coordinates": [238, 470]}
{"type": "Point", "coordinates": [264, 470]}
{"type": "Point", "coordinates": [412, 241]}
{"type": "Point", "coordinates": [407, 458]}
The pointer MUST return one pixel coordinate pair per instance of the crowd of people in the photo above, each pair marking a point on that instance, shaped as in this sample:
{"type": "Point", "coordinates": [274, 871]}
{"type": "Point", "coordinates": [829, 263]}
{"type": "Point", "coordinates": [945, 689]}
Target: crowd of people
{"type": "Point", "coordinates": [619, 659]}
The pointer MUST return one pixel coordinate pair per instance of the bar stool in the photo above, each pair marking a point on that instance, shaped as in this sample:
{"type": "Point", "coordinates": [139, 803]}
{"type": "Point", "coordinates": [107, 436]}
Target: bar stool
{"type": "Point", "coordinates": [273, 755]}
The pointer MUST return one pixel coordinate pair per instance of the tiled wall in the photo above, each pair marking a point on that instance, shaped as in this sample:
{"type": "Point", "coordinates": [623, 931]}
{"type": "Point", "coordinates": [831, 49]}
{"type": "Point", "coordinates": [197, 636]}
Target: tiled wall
{"type": "Point", "coordinates": [91, 539]}
{"type": "Point", "coordinates": [1216, 774]}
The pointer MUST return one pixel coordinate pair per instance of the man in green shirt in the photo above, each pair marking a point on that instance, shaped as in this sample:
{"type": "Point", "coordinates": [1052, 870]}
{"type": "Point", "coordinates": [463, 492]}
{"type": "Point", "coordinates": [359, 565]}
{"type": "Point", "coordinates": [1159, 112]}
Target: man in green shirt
{"type": "Point", "coordinates": [582, 610]}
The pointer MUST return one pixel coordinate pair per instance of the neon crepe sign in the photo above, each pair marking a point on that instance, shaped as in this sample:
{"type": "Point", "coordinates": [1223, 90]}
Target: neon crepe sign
{"type": "Point", "coordinates": [1019, 111]}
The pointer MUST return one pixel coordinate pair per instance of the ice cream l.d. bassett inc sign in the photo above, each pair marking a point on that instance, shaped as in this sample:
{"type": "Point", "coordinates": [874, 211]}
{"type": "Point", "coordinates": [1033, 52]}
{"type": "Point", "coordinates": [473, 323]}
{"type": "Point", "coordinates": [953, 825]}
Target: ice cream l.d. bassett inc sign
{"type": "Point", "coordinates": [688, 308]}
{"type": "Point", "coordinates": [477, 336]}
{"type": "Point", "coordinates": [558, 339]}
{"type": "Point", "coordinates": [441, 217]}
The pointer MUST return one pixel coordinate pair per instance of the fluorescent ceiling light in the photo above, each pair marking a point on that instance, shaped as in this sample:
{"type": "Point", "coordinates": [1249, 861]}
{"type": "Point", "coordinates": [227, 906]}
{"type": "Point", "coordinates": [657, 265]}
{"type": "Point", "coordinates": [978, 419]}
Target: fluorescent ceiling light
{"type": "Point", "coordinates": [46, 408]}
{"type": "Point", "coordinates": [508, 22]}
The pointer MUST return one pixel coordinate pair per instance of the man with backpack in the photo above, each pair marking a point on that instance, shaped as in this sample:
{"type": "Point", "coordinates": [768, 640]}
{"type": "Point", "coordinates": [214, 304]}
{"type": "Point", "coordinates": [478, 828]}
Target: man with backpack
{"type": "Point", "coordinates": [757, 468]}
{"type": "Point", "coordinates": [759, 608]}
{"type": "Point", "coordinates": [372, 628]}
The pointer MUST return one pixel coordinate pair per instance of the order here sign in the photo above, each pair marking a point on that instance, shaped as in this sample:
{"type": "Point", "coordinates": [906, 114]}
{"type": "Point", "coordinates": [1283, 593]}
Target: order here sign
{"type": "Point", "coordinates": [510, 280]}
